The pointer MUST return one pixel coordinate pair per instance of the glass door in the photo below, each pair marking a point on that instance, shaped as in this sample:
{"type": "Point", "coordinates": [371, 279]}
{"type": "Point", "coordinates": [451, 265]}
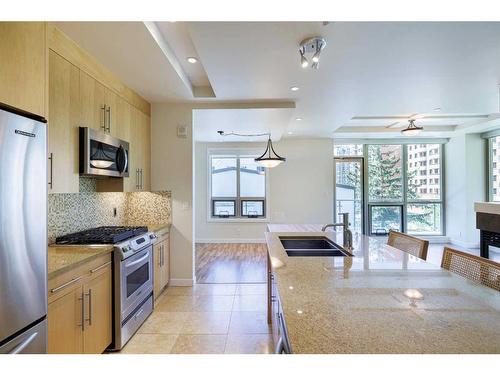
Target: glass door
{"type": "Point", "coordinates": [349, 190]}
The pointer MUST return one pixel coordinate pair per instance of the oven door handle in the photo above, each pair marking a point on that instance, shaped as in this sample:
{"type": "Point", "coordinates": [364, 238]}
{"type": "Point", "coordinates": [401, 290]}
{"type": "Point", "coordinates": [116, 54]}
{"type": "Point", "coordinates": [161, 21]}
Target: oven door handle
{"type": "Point", "coordinates": [137, 261]}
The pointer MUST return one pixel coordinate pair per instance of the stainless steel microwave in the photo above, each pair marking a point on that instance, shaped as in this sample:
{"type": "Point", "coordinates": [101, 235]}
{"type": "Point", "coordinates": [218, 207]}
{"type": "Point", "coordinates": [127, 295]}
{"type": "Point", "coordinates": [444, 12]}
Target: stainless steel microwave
{"type": "Point", "coordinates": [102, 154]}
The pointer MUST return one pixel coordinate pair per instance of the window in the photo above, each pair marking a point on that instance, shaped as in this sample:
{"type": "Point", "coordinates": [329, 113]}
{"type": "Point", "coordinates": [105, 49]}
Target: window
{"type": "Point", "coordinates": [405, 196]}
{"type": "Point", "coordinates": [238, 187]}
{"type": "Point", "coordinates": [385, 177]}
{"type": "Point", "coordinates": [424, 203]}
{"type": "Point", "coordinates": [348, 150]}
{"type": "Point", "coordinates": [494, 171]}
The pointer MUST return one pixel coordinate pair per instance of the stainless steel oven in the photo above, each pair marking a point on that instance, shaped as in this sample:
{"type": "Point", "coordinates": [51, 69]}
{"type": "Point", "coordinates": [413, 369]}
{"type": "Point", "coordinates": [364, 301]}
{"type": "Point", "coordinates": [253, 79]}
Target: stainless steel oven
{"type": "Point", "coordinates": [136, 279]}
{"type": "Point", "coordinates": [102, 154]}
{"type": "Point", "coordinates": [133, 286]}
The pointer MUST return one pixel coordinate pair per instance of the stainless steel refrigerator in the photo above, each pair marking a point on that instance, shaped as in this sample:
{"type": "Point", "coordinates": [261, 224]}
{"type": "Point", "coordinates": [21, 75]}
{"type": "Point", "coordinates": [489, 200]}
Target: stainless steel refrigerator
{"type": "Point", "coordinates": [23, 232]}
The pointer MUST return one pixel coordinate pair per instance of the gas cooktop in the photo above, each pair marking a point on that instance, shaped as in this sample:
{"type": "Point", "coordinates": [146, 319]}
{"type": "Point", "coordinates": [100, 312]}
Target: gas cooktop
{"type": "Point", "coordinates": [101, 235]}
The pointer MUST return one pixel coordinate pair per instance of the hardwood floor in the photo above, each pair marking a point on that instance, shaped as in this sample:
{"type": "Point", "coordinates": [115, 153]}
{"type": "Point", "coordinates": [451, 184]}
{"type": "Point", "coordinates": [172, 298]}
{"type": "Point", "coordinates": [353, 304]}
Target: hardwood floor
{"type": "Point", "coordinates": [230, 263]}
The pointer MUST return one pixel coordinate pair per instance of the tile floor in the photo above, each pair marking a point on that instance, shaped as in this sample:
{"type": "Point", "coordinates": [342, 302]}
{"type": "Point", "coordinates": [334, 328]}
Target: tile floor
{"type": "Point", "coordinates": [206, 319]}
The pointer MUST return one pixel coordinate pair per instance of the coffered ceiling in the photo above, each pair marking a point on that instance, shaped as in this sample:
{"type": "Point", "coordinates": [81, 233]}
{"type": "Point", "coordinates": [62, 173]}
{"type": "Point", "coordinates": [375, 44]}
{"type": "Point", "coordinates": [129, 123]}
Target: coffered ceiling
{"type": "Point", "coordinates": [373, 76]}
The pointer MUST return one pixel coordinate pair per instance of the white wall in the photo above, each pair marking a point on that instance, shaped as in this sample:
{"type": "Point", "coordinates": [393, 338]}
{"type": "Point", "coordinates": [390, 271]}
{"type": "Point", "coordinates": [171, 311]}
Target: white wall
{"type": "Point", "coordinates": [301, 189]}
{"type": "Point", "coordinates": [172, 169]}
{"type": "Point", "coordinates": [465, 174]}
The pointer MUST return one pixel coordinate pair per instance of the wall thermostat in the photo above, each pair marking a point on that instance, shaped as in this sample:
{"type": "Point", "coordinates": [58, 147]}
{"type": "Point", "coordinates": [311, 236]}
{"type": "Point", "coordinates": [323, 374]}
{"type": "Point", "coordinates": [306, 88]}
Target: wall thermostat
{"type": "Point", "coordinates": [182, 131]}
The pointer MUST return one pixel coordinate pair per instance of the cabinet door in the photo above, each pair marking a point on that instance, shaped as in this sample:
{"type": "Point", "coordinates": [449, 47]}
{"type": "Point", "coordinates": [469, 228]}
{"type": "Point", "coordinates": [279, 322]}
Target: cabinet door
{"type": "Point", "coordinates": [158, 269]}
{"type": "Point", "coordinates": [111, 103]}
{"type": "Point", "coordinates": [135, 149]}
{"type": "Point", "coordinates": [166, 262]}
{"type": "Point", "coordinates": [122, 115]}
{"type": "Point", "coordinates": [92, 111]}
{"type": "Point", "coordinates": [98, 312]}
{"type": "Point", "coordinates": [23, 66]}
{"type": "Point", "coordinates": [146, 150]}
{"type": "Point", "coordinates": [65, 323]}
{"type": "Point", "coordinates": [64, 97]}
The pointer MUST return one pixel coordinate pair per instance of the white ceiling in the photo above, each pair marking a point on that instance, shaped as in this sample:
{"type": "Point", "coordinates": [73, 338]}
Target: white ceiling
{"type": "Point", "coordinates": [207, 122]}
{"type": "Point", "coordinates": [372, 71]}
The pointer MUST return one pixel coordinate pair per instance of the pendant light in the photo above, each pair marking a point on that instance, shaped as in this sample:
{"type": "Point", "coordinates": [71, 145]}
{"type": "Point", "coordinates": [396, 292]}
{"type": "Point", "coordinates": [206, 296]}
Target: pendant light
{"type": "Point", "coordinates": [270, 159]}
{"type": "Point", "coordinates": [412, 129]}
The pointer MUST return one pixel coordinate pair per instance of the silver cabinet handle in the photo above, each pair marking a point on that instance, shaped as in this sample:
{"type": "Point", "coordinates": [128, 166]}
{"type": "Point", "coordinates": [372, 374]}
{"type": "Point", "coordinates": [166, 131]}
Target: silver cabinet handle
{"type": "Point", "coordinates": [100, 267]}
{"type": "Point", "coordinates": [19, 348]}
{"type": "Point", "coordinates": [108, 110]}
{"type": "Point", "coordinates": [51, 158]}
{"type": "Point", "coordinates": [141, 180]}
{"type": "Point", "coordinates": [103, 108]}
{"type": "Point", "coordinates": [136, 261]}
{"type": "Point", "coordinates": [159, 256]}
{"type": "Point", "coordinates": [89, 294]}
{"type": "Point", "coordinates": [137, 178]}
{"type": "Point", "coordinates": [72, 281]}
{"type": "Point", "coordinates": [82, 298]}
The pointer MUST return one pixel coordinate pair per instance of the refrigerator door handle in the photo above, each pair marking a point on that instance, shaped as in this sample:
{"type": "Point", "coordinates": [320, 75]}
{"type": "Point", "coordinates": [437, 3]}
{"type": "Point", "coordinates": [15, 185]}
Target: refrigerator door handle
{"type": "Point", "coordinates": [19, 348]}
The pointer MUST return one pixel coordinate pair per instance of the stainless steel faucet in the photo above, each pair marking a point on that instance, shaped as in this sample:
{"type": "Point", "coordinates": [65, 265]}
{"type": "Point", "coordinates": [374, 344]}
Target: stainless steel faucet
{"type": "Point", "coordinates": [347, 243]}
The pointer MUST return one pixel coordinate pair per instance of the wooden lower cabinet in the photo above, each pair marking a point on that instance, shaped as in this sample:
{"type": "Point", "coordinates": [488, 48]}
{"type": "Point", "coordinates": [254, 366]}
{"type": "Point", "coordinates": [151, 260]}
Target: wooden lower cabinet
{"type": "Point", "coordinates": [80, 313]}
{"type": "Point", "coordinates": [64, 321]}
{"type": "Point", "coordinates": [98, 322]}
{"type": "Point", "coordinates": [161, 256]}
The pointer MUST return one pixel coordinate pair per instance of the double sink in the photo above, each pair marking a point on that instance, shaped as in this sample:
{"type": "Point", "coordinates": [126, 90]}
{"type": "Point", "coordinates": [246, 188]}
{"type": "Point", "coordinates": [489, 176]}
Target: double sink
{"type": "Point", "coordinates": [311, 246]}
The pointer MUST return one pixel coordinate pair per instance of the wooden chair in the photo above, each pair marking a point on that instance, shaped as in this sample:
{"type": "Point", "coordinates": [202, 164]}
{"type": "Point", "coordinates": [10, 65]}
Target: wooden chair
{"type": "Point", "coordinates": [472, 267]}
{"type": "Point", "coordinates": [412, 245]}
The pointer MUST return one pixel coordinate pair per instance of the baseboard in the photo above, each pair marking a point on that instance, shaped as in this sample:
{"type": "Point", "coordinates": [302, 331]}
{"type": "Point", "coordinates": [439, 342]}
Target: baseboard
{"type": "Point", "coordinates": [231, 240]}
{"type": "Point", "coordinates": [469, 245]}
{"type": "Point", "coordinates": [181, 282]}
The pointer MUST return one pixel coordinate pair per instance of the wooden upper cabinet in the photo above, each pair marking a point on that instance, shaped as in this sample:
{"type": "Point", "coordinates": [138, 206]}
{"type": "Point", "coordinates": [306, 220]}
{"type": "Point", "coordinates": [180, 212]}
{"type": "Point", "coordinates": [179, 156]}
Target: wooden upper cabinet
{"type": "Point", "coordinates": [111, 103]}
{"type": "Point", "coordinates": [146, 149]}
{"type": "Point", "coordinates": [23, 67]}
{"type": "Point", "coordinates": [64, 107]}
{"type": "Point", "coordinates": [92, 102]}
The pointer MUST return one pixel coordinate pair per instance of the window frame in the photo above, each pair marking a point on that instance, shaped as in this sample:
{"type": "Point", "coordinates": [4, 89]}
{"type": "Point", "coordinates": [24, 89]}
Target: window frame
{"type": "Point", "coordinates": [238, 217]}
{"type": "Point", "coordinates": [405, 143]}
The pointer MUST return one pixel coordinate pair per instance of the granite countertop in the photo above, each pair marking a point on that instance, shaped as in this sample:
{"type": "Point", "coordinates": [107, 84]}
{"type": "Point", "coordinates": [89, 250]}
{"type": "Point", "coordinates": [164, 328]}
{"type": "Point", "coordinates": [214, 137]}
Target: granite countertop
{"type": "Point", "coordinates": [358, 304]}
{"type": "Point", "coordinates": [487, 207]}
{"type": "Point", "coordinates": [65, 258]}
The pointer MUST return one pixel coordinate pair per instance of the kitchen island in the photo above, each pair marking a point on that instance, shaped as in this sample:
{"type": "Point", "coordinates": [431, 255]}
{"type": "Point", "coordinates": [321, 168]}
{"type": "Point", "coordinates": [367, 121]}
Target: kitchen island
{"type": "Point", "coordinates": [380, 300]}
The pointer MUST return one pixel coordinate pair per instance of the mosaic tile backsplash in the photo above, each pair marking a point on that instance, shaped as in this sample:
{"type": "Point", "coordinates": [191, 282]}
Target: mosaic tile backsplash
{"type": "Point", "coordinates": [70, 213]}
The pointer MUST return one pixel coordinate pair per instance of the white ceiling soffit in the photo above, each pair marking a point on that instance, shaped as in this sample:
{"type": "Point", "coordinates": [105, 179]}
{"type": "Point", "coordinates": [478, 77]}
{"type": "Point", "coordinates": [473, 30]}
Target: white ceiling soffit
{"type": "Point", "coordinates": [129, 50]}
{"type": "Point", "coordinates": [367, 68]}
{"type": "Point", "coordinates": [206, 123]}
{"type": "Point", "coordinates": [171, 37]}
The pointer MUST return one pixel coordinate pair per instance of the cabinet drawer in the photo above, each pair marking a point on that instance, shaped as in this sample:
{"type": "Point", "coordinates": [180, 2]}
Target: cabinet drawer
{"type": "Point", "coordinates": [66, 282]}
{"type": "Point", "coordinates": [162, 234]}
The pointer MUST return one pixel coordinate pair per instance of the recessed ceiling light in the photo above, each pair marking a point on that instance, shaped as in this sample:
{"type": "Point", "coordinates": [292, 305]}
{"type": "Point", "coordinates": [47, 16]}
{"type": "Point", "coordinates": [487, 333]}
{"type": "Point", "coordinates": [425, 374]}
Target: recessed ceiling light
{"type": "Point", "coordinates": [298, 119]}
{"type": "Point", "coordinates": [437, 109]}
{"type": "Point", "coordinates": [294, 88]}
{"type": "Point", "coordinates": [299, 311]}
{"type": "Point", "coordinates": [290, 132]}
{"type": "Point", "coordinates": [192, 60]}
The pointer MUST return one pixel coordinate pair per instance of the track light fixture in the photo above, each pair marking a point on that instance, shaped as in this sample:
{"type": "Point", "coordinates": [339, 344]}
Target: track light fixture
{"type": "Point", "coordinates": [303, 60]}
{"type": "Point", "coordinates": [269, 159]}
{"type": "Point", "coordinates": [312, 46]}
